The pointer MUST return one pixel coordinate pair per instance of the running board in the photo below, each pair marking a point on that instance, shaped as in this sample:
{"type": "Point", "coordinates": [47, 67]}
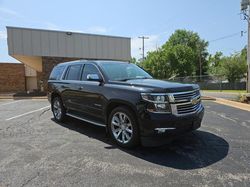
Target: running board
{"type": "Point", "coordinates": [86, 120]}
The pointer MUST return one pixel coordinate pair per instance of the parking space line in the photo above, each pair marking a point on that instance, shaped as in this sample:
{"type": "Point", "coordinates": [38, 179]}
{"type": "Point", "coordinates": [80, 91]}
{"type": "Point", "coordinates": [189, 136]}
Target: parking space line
{"type": "Point", "coordinates": [27, 113]}
{"type": "Point", "coordinates": [10, 102]}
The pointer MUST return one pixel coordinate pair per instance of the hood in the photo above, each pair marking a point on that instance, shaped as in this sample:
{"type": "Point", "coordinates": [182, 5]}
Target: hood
{"type": "Point", "coordinates": [154, 85]}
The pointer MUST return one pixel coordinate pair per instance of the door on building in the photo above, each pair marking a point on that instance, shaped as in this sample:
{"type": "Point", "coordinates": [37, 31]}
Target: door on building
{"type": "Point", "coordinates": [31, 83]}
{"type": "Point", "coordinates": [31, 79]}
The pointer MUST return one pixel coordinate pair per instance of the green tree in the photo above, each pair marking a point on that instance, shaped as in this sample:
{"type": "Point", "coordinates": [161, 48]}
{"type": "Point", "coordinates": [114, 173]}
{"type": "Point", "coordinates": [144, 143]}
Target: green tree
{"type": "Point", "coordinates": [133, 60]}
{"type": "Point", "coordinates": [157, 64]}
{"type": "Point", "coordinates": [181, 60]}
{"type": "Point", "coordinates": [179, 56]}
{"type": "Point", "coordinates": [233, 67]}
{"type": "Point", "coordinates": [215, 63]}
{"type": "Point", "coordinates": [189, 51]}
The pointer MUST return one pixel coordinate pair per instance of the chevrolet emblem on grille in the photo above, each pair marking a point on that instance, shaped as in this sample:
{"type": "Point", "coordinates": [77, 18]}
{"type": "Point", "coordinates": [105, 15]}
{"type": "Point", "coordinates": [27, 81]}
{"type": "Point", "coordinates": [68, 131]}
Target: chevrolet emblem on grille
{"type": "Point", "coordinates": [194, 101]}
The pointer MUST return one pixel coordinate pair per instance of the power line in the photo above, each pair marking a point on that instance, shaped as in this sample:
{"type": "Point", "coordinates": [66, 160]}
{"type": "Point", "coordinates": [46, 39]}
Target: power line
{"type": "Point", "coordinates": [227, 36]}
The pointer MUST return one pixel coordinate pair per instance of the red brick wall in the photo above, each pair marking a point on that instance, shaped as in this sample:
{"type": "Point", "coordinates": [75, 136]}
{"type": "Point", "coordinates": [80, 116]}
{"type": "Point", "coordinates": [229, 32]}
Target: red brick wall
{"type": "Point", "coordinates": [12, 77]}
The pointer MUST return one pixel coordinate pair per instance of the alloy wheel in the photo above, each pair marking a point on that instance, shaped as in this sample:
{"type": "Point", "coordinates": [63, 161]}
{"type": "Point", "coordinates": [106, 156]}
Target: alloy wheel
{"type": "Point", "coordinates": [57, 109]}
{"type": "Point", "coordinates": [121, 127]}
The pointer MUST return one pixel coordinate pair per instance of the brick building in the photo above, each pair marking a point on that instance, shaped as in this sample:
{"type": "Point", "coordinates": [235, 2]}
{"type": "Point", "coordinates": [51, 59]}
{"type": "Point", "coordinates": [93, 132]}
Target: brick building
{"type": "Point", "coordinates": [40, 50]}
{"type": "Point", "coordinates": [17, 77]}
{"type": "Point", "coordinates": [12, 77]}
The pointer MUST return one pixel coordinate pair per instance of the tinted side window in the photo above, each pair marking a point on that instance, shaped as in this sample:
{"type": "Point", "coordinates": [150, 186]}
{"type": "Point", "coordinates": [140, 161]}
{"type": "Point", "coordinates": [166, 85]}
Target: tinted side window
{"type": "Point", "coordinates": [57, 73]}
{"type": "Point", "coordinates": [89, 69]}
{"type": "Point", "coordinates": [73, 72]}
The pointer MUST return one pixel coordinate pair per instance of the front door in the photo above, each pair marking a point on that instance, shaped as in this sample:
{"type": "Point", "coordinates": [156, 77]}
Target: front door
{"type": "Point", "coordinates": [91, 98]}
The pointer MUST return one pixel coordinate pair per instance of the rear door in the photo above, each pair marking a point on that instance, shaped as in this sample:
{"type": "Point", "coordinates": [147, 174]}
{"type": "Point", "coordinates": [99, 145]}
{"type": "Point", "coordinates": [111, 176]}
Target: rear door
{"type": "Point", "coordinates": [70, 87]}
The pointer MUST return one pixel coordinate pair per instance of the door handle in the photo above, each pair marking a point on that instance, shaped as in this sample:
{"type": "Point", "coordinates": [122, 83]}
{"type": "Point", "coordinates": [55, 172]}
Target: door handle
{"type": "Point", "coordinates": [81, 87]}
{"type": "Point", "coordinates": [64, 86]}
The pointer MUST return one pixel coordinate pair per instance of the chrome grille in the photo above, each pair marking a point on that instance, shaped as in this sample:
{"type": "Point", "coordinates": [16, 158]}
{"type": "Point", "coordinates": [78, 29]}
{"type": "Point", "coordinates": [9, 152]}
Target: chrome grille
{"type": "Point", "coordinates": [184, 103]}
{"type": "Point", "coordinates": [186, 108]}
{"type": "Point", "coordinates": [186, 96]}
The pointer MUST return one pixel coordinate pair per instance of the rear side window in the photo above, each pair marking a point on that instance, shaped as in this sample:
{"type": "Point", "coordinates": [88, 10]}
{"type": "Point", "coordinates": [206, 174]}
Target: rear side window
{"type": "Point", "coordinates": [57, 73]}
{"type": "Point", "coordinates": [73, 72]}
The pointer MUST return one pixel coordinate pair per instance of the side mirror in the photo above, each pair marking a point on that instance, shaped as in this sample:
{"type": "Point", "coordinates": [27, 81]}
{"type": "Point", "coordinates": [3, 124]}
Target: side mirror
{"type": "Point", "coordinates": [94, 77]}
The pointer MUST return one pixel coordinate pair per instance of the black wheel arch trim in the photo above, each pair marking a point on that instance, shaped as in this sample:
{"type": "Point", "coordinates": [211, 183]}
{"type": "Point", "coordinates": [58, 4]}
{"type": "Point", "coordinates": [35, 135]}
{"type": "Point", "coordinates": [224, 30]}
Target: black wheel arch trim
{"type": "Point", "coordinates": [118, 102]}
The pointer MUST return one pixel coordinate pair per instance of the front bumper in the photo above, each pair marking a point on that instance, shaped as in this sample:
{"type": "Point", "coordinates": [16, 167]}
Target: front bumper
{"type": "Point", "coordinates": [158, 129]}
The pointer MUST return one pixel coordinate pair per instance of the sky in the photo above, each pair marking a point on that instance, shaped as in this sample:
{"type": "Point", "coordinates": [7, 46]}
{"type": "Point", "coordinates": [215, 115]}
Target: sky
{"type": "Point", "coordinates": [213, 20]}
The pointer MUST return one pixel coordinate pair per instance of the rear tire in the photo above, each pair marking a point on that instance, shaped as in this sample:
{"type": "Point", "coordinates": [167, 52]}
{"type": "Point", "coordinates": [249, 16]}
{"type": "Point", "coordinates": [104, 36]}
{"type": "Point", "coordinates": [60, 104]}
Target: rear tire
{"type": "Point", "coordinates": [123, 128]}
{"type": "Point", "coordinates": [58, 109]}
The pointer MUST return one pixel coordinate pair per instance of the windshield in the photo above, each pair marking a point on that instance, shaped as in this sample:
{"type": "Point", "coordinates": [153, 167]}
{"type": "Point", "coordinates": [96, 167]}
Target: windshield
{"type": "Point", "coordinates": [124, 71]}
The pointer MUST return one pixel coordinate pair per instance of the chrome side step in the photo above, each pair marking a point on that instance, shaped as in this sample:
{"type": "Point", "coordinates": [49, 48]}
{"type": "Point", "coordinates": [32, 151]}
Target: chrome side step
{"type": "Point", "coordinates": [162, 130]}
{"type": "Point", "coordinates": [86, 120]}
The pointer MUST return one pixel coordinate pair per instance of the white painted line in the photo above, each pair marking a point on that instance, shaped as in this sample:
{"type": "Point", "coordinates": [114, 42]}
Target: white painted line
{"type": "Point", "coordinates": [10, 102]}
{"type": "Point", "coordinates": [27, 113]}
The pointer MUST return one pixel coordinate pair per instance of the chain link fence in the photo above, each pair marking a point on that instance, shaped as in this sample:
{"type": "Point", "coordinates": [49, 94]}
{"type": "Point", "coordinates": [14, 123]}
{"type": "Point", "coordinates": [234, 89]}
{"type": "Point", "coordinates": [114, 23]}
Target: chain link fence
{"type": "Point", "coordinates": [212, 82]}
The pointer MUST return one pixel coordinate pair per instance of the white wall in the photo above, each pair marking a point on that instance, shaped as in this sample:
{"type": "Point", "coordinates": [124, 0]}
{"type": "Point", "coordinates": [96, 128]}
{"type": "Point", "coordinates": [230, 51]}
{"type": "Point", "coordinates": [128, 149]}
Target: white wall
{"type": "Point", "coordinates": [34, 42]}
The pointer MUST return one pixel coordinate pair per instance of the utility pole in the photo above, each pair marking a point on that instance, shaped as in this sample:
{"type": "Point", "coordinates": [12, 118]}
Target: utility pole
{"type": "Point", "coordinates": [143, 48]}
{"type": "Point", "coordinates": [200, 64]}
{"type": "Point", "coordinates": [246, 12]}
{"type": "Point", "coordinates": [248, 54]}
{"type": "Point", "coordinates": [199, 45]}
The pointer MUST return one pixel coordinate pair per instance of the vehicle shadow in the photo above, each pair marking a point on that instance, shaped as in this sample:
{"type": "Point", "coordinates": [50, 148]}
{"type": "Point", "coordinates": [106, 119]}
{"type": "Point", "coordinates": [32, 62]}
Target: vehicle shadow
{"type": "Point", "coordinates": [194, 150]}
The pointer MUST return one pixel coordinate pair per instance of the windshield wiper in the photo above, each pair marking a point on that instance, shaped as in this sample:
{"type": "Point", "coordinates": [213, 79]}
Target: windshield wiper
{"type": "Point", "coordinates": [144, 78]}
{"type": "Point", "coordinates": [125, 79]}
{"type": "Point", "coordinates": [133, 78]}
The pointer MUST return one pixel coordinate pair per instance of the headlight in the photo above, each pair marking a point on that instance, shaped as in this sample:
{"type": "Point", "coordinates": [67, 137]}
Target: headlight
{"type": "Point", "coordinates": [158, 102]}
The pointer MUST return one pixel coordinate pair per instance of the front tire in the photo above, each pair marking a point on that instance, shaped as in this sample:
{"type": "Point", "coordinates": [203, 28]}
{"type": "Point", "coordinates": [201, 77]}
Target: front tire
{"type": "Point", "coordinates": [58, 109]}
{"type": "Point", "coordinates": [123, 127]}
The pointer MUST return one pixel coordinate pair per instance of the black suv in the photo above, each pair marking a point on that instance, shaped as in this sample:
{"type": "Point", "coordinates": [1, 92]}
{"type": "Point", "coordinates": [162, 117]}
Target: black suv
{"type": "Point", "coordinates": [125, 99]}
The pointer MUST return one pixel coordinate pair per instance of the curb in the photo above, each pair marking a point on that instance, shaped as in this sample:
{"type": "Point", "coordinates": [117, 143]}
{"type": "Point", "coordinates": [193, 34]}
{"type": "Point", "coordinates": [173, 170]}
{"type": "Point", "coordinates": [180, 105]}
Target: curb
{"type": "Point", "coordinates": [242, 106]}
{"type": "Point", "coordinates": [234, 104]}
{"type": "Point", "coordinates": [206, 98]}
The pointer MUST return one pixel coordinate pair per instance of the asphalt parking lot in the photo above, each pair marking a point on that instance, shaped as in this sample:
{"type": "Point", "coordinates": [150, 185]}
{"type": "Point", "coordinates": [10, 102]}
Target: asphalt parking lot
{"type": "Point", "coordinates": [37, 151]}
